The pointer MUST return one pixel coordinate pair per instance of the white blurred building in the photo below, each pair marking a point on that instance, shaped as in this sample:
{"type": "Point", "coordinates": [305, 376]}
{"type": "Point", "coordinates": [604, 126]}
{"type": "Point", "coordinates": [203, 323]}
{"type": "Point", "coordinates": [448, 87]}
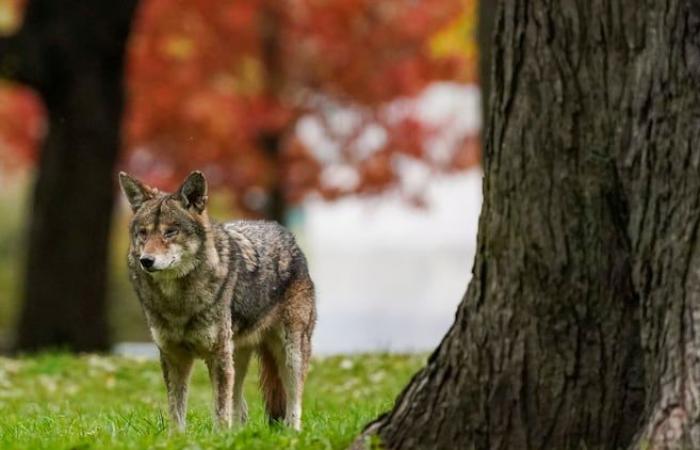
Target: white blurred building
{"type": "Point", "coordinates": [389, 276]}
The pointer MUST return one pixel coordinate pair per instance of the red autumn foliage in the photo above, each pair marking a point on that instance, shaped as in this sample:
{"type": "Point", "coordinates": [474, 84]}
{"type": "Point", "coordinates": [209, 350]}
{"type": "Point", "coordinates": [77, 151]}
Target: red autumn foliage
{"type": "Point", "coordinates": [21, 126]}
{"type": "Point", "coordinates": [210, 82]}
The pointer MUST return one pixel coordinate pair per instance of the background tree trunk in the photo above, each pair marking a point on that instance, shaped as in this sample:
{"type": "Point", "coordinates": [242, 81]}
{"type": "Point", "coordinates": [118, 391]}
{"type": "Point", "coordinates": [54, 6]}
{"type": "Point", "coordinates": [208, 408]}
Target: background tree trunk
{"type": "Point", "coordinates": [273, 75]}
{"type": "Point", "coordinates": [545, 351]}
{"type": "Point", "coordinates": [486, 18]}
{"type": "Point", "coordinates": [72, 53]}
{"type": "Point", "coordinates": [276, 205]}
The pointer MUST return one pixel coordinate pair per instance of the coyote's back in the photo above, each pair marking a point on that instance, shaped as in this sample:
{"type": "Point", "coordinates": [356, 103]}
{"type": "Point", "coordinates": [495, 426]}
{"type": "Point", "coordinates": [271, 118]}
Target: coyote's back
{"type": "Point", "coordinates": [273, 266]}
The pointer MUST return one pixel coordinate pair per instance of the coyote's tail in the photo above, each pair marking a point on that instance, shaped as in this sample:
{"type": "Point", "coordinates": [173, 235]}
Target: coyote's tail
{"type": "Point", "coordinates": [271, 386]}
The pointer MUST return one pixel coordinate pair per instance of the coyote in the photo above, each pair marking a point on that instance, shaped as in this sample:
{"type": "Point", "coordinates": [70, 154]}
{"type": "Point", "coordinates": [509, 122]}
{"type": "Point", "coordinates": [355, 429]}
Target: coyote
{"type": "Point", "coordinates": [220, 291]}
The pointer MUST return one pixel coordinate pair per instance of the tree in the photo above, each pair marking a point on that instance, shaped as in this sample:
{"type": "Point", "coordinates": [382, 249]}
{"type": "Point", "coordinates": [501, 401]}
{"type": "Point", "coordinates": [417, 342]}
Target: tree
{"type": "Point", "coordinates": [578, 327]}
{"type": "Point", "coordinates": [223, 85]}
{"type": "Point", "coordinates": [486, 18]}
{"type": "Point", "coordinates": [71, 53]}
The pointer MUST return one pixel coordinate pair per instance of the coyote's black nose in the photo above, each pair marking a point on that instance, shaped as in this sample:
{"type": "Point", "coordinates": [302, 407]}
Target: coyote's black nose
{"type": "Point", "coordinates": [147, 261]}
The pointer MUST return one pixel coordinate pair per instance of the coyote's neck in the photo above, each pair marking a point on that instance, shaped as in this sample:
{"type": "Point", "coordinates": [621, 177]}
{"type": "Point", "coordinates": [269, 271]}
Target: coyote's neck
{"type": "Point", "coordinates": [211, 254]}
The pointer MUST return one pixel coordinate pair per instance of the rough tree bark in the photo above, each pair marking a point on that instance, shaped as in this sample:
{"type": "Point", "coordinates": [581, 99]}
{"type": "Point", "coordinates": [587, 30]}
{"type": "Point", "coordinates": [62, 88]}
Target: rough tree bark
{"type": "Point", "coordinates": [660, 162]}
{"type": "Point", "coordinates": [72, 53]}
{"type": "Point", "coordinates": [578, 327]}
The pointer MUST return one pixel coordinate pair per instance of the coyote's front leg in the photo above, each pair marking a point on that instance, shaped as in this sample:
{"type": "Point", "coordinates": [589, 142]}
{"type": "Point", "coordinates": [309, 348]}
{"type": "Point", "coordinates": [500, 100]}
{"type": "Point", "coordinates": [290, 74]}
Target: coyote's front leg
{"type": "Point", "coordinates": [220, 365]}
{"type": "Point", "coordinates": [176, 367]}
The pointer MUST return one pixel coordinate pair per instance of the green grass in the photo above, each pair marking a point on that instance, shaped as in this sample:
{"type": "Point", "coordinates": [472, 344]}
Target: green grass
{"type": "Point", "coordinates": [58, 401]}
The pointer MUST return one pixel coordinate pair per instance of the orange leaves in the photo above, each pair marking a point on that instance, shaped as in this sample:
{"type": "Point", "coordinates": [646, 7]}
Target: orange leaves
{"type": "Point", "coordinates": [302, 171]}
{"type": "Point", "coordinates": [179, 48]}
{"type": "Point", "coordinates": [22, 125]}
{"type": "Point", "coordinates": [22, 116]}
{"type": "Point", "coordinates": [10, 16]}
{"type": "Point", "coordinates": [209, 82]}
{"type": "Point", "coordinates": [376, 172]}
{"type": "Point", "coordinates": [367, 50]}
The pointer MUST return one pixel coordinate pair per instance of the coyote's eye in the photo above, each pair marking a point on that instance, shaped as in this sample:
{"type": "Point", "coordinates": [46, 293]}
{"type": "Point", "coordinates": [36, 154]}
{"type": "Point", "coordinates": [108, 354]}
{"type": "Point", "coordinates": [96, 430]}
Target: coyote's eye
{"type": "Point", "coordinates": [142, 233]}
{"type": "Point", "coordinates": [170, 232]}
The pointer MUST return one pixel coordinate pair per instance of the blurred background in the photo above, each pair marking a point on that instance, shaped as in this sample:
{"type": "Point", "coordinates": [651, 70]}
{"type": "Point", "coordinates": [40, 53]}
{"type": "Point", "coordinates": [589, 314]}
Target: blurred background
{"type": "Point", "coordinates": [356, 123]}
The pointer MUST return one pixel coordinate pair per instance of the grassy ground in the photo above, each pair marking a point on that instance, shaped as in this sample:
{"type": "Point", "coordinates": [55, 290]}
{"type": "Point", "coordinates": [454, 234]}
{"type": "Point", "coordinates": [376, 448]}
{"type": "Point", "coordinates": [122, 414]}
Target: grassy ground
{"type": "Point", "coordinates": [94, 402]}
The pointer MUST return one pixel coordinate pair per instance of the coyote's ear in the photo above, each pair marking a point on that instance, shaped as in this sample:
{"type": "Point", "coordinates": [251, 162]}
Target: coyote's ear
{"type": "Point", "coordinates": [136, 192]}
{"type": "Point", "coordinates": [193, 192]}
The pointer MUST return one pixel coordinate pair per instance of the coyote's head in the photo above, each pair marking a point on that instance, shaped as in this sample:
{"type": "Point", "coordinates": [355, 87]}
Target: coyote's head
{"type": "Point", "coordinates": [167, 230]}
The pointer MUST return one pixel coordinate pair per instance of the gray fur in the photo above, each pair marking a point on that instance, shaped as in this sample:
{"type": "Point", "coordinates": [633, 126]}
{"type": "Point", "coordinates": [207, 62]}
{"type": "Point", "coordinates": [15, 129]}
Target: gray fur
{"type": "Point", "coordinates": [219, 287]}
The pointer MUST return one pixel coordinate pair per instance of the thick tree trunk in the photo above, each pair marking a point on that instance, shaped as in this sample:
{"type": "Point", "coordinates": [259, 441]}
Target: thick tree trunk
{"type": "Point", "coordinates": [586, 286]}
{"type": "Point", "coordinates": [72, 53]}
{"type": "Point", "coordinates": [661, 165]}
